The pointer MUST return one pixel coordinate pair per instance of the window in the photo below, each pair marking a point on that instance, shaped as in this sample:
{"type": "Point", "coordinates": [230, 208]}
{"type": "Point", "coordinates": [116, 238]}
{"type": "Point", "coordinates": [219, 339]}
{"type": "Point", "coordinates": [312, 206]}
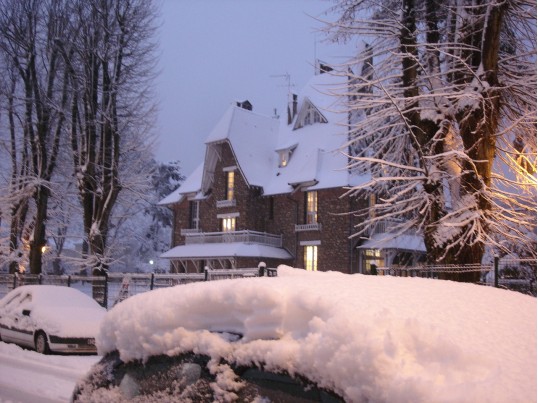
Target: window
{"type": "Point", "coordinates": [372, 260]}
{"type": "Point", "coordinates": [284, 158]}
{"type": "Point", "coordinates": [194, 214]}
{"type": "Point", "coordinates": [311, 258]}
{"type": "Point", "coordinates": [230, 184]}
{"type": "Point", "coordinates": [228, 224]}
{"type": "Point", "coordinates": [309, 115]}
{"type": "Point", "coordinates": [311, 208]}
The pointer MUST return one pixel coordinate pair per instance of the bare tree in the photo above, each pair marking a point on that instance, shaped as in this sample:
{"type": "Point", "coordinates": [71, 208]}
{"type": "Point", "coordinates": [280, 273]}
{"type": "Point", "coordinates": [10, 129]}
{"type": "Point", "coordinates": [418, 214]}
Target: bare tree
{"type": "Point", "coordinates": [78, 71]}
{"type": "Point", "coordinates": [111, 60]}
{"type": "Point", "coordinates": [28, 29]}
{"type": "Point", "coordinates": [443, 117]}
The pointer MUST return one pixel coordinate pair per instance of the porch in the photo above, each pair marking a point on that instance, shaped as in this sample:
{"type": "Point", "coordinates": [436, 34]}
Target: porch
{"type": "Point", "coordinates": [226, 250]}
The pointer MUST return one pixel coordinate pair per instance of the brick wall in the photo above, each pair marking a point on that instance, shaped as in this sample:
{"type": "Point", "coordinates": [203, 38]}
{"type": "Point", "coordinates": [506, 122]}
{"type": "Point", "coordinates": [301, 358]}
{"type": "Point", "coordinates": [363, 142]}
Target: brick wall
{"type": "Point", "coordinates": [335, 251]}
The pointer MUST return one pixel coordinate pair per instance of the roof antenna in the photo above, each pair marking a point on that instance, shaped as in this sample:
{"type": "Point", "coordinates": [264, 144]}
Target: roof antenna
{"type": "Point", "coordinates": [315, 53]}
{"type": "Point", "coordinates": [292, 98]}
{"type": "Point", "coordinates": [287, 77]}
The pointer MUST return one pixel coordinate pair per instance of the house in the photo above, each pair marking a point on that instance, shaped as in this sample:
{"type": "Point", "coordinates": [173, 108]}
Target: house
{"type": "Point", "coordinates": [271, 189]}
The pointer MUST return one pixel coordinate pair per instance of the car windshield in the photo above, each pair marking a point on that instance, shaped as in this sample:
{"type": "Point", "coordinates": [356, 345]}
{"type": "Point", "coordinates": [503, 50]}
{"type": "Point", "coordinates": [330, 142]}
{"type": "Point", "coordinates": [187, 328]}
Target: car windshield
{"type": "Point", "coordinates": [191, 377]}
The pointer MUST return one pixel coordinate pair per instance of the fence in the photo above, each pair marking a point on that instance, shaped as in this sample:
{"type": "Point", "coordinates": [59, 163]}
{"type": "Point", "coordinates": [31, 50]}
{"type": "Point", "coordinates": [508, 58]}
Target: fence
{"type": "Point", "coordinates": [113, 288]}
{"type": "Point", "coordinates": [514, 274]}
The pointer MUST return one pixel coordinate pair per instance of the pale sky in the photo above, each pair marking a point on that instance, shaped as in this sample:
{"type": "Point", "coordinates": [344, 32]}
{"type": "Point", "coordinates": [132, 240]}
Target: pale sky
{"type": "Point", "coordinates": [214, 52]}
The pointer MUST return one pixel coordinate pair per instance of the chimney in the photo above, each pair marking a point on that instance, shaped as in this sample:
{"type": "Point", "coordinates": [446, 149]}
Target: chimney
{"type": "Point", "coordinates": [292, 109]}
{"type": "Point", "coordinates": [244, 104]}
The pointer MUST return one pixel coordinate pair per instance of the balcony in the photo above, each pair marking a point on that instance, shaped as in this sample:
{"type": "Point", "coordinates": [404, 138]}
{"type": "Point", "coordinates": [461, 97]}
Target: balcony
{"type": "Point", "coordinates": [389, 226]}
{"type": "Point", "coordinates": [308, 227]}
{"type": "Point", "coordinates": [262, 238]}
{"type": "Point", "coordinates": [185, 231]}
{"type": "Point", "coordinates": [226, 203]}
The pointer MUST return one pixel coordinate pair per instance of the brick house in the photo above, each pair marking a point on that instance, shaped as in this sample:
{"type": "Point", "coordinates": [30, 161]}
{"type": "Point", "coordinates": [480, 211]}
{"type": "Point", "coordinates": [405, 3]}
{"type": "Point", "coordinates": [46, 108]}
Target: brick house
{"type": "Point", "coordinates": [270, 189]}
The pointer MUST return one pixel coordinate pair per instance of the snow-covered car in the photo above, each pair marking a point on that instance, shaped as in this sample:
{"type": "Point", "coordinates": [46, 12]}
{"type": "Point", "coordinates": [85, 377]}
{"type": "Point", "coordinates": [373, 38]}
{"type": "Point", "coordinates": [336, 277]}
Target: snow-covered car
{"type": "Point", "coordinates": [50, 318]}
{"type": "Point", "coordinates": [307, 336]}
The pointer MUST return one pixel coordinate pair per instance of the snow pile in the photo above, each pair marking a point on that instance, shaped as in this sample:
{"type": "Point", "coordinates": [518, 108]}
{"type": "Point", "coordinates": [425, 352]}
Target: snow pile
{"type": "Point", "coordinates": [26, 376]}
{"type": "Point", "coordinates": [369, 338]}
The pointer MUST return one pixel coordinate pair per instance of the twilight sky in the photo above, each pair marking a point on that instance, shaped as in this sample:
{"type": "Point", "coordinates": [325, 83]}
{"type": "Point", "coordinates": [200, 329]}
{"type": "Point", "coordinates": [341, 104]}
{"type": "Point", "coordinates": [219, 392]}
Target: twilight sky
{"type": "Point", "coordinates": [214, 52]}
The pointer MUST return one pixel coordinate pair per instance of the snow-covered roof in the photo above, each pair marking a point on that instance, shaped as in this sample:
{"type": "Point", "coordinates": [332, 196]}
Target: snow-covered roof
{"type": "Point", "coordinates": [229, 249]}
{"type": "Point", "coordinates": [316, 157]}
{"type": "Point", "coordinates": [255, 140]}
{"type": "Point", "coordinates": [192, 184]}
{"type": "Point", "coordinates": [252, 137]}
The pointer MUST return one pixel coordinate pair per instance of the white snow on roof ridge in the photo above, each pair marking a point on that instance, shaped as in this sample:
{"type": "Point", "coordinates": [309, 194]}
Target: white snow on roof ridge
{"type": "Point", "coordinates": [192, 184]}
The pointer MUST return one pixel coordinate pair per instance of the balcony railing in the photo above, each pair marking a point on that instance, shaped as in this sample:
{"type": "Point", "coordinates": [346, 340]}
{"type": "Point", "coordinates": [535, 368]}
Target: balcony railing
{"type": "Point", "coordinates": [226, 203]}
{"type": "Point", "coordinates": [234, 236]}
{"type": "Point", "coordinates": [308, 227]}
{"type": "Point", "coordinates": [389, 226]}
{"type": "Point", "coordinates": [185, 231]}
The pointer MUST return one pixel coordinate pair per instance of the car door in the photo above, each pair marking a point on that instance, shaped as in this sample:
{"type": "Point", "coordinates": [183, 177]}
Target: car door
{"type": "Point", "coordinates": [8, 319]}
{"type": "Point", "coordinates": [25, 322]}
{"type": "Point", "coordinates": [16, 322]}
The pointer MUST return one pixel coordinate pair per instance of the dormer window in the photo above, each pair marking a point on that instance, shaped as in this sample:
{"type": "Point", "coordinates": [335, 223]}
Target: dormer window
{"type": "Point", "coordinates": [308, 115]}
{"type": "Point", "coordinates": [284, 156]}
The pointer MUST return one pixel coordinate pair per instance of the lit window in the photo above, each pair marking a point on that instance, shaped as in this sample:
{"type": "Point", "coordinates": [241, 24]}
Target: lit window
{"type": "Point", "coordinates": [228, 224]}
{"type": "Point", "coordinates": [372, 259]}
{"type": "Point", "coordinates": [311, 207]}
{"type": "Point", "coordinates": [284, 158]}
{"type": "Point", "coordinates": [230, 183]}
{"type": "Point", "coordinates": [311, 257]}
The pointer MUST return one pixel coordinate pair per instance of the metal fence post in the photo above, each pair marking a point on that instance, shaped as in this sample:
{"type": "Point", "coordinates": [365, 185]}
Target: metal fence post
{"type": "Point", "coordinates": [206, 270]}
{"type": "Point", "coordinates": [69, 281]}
{"type": "Point", "coordinates": [152, 281]}
{"type": "Point", "coordinates": [496, 270]}
{"type": "Point", "coordinates": [261, 269]}
{"type": "Point", "coordinates": [40, 278]}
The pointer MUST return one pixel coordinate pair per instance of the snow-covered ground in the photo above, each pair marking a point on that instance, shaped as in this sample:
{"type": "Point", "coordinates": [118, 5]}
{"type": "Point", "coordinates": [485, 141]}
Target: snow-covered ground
{"type": "Point", "coordinates": [27, 377]}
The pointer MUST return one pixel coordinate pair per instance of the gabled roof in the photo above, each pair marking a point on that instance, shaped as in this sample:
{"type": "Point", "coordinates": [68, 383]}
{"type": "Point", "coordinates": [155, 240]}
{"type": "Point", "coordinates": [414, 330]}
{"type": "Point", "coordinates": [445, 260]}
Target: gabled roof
{"type": "Point", "coordinates": [252, 137]}
{"type": "Point", "coordinates": [316, 157]}
{"type": "Point", "coordinates": [316, 161]}
{"type": "Point", "coordinates": [191, 185]}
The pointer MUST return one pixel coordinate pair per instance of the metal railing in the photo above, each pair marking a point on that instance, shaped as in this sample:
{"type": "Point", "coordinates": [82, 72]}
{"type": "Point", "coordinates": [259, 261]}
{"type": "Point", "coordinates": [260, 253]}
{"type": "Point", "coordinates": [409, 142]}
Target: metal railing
{"type": "Point", "coordinates": [308, 227]}
{"type": "Point", "coordinates": [263, 238]}
{"type": "Point", "coordinates": [112, 288]}
{"type": "Point", "coordinates": [386, 226]}
{"type": "Point", "coordinates": [495, 274]}
{"type": "Point", "coordinates": [226, 203]}
{"type": "Point", "coordinates": [185, 231]}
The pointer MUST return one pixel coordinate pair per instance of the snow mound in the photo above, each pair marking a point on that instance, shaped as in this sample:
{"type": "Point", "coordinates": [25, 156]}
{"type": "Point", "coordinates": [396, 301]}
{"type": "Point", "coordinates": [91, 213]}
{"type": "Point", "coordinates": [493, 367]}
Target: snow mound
{"type": "Point", "coordinates": [369, 338]}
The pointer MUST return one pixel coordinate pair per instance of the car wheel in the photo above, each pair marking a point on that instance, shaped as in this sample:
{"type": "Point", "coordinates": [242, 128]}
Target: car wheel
{"type": "Point", "coordinates": [41, 343]}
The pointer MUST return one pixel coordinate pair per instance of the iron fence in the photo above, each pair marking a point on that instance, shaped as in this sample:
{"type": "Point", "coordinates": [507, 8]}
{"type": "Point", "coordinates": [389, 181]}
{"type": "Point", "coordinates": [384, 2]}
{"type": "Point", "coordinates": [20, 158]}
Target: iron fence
{"type": "Point", "coordinates": [112, 288]}
{"type": "Point", "coordinates": [514, 274]}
